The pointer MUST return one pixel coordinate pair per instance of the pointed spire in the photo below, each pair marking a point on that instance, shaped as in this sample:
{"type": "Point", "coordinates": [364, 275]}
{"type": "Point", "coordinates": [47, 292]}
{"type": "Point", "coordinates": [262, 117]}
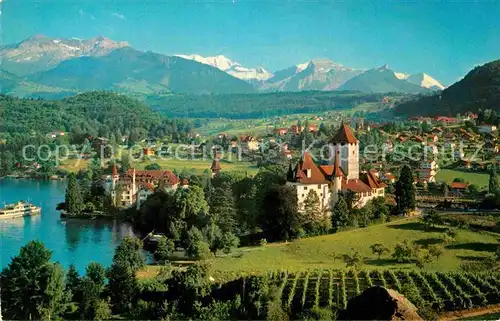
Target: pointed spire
{"type": "Point", "coordinates": [115, 171]}
{"type": "Point", "coordinates": [337, 172]}
{"type": "Point", "coordinates": [344, 135]}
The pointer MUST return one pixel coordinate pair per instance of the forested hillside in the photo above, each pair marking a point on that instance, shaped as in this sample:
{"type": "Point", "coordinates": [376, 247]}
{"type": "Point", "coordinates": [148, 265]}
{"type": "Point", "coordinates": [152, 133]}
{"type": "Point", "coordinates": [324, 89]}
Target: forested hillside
{"type": "Point", "coordinates": [480, 89]}
{"type": "Point", "coordinates": [93, 113]}
{"type": "Point", "coordinates": [258, 105]}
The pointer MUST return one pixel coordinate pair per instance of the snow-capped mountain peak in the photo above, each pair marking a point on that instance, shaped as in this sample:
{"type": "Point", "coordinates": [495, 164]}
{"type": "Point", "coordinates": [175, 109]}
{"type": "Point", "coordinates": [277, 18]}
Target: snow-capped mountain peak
{"type": "Point", "coordinates": [424, 80]}
{"type": "Point", "coordinates": [231, 67]}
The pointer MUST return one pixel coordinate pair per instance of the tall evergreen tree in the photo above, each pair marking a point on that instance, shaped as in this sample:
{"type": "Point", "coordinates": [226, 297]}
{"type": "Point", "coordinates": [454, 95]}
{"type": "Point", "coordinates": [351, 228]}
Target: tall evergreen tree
{"type": "Point", "coordinates": [32, 286]}
{"type": "Point", "coordinates": [340, 214]}
{"type": "Point", "coordinates": [280, 219]}
{"type": "Point", "coordinates": [405, 190]}
{"type": "Point", "coordinates": [494, 182]}
{"type": "Point", "coordinates": [74, 200]}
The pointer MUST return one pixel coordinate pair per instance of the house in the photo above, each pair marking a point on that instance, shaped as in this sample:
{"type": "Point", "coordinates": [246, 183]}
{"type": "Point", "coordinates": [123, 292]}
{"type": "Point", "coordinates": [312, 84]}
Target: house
{"type": "Point", "coordinates": [431, 148]}
{"type": "Point", "coordinates": [312, 128]}
{"type": "Point", "coordinates": [458, 187]}
{"type": "Point", "coordinates": [148, 151]}
{"type": "Point", "coordinates": [433, 138]}
{"type": "Point", "coordinates": [427, 171]}
{"type": "Point", "coordinates": [281, 131]}
{"type": "Point", "coordinates": [418, 139]}
{"type": "Point", "coordinates": [467, 137]}
{"type": "Point", "coordinates": [446, 120]}
{"type": "Point", "coordinates": [490, 148]}
{"type": "Point", "coordinates": [389, 177]}
{"type": "Point", "coordinates": [437, 131]}
{"type": "Point", "coordinates": [484, 128]}
{"type": "Point", "coordinates": [329, 181]}
{"type": "Point", "coordinates": [55, 134]}
{"type": "Point", "coordinates": [249, 143]}
{"type": "Point", "coordinates": [135, 186]}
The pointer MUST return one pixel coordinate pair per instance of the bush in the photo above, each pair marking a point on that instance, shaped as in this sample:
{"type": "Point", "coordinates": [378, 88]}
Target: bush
{"type": "Point", "coordinates": [263, 242]}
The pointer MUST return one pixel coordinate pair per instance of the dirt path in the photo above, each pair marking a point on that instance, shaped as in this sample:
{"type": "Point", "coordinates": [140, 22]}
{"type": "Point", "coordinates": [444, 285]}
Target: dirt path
{"type": "Point", "coordinates": [449, 316]}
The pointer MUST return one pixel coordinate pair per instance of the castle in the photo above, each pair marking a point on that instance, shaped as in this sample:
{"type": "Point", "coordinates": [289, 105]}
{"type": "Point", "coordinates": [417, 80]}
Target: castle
{"type": "Point", "coordinates": [341, 177]}
{"type": "Point", "coordinates": [135, 186]}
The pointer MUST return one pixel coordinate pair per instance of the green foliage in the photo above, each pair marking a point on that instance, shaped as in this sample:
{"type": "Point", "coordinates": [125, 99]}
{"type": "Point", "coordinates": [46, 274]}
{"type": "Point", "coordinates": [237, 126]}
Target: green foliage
{"type": "Point", "coordinates": [122, 286]}
{"type": "Point", "coordinates": [379, 249]}
{"type": "Point", "coordinates": [280, 219]}
{"type": "Point", "coordinates": [353, 260]}
{"type": "Point", "coordinates": [195, 245]}
{"type": "Point", "coordinates": [403, 252]}
{"type": "Point", "coordinates": [153, 167]}
{"type": "Point", "coordinates": [129, 253]}
{"type": "Point", "coordinates": [73, 201]}
{"type": "Point", "coordinates": [32, 286]}
{"type": "Point", "coordinates": [432, 218]}
{"type": "Point", "coordinates": [164, 250]}
{"type": "Point", "coordinates": [340, 214]}
{"type": "Point", "coordinates": [405, 191]}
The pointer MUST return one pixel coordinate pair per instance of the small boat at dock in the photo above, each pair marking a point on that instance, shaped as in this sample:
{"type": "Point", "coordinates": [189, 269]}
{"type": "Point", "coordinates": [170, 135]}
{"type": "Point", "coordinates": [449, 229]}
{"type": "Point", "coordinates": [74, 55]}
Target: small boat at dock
{"type": "Point", "coordinates": [19, 209]}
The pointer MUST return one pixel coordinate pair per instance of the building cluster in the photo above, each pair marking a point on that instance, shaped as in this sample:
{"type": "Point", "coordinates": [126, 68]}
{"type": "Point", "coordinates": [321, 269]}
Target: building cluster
{"type": "Point", "coordinates": [341, 177]}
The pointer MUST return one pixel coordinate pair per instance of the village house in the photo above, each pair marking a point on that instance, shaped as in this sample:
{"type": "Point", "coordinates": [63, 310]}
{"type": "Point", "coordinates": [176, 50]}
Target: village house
{"type": "Point", "coordinates": [281, 131]}
{"type": "Point", "coordinates": [249, 143]}
{"type": "Point", "coordinates": [484, 128]}
{"type": "Point", "coordinates": [343, 176]}
{"type": "Point", "coordinates": [427, 171]}
{"type": "Point", "coordinates": [135, 186]}
{"type": "Point", "coordinates": [458, 187]}
{"type": "Point", "coordinates": [55, 134]}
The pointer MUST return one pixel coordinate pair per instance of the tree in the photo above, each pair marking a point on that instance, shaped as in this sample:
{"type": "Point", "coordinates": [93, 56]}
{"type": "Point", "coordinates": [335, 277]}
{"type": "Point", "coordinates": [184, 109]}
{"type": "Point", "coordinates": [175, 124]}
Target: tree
{"type": "Point", "coordinates": [312, 207]}
{"type": "Point", "coordinates": [279, 216]}
{"type": "Point", "coordinates": [164, 250]}
{"type": "Point", "coordinates": [340, 214]}
{"type": "Point", "coordinates": [494, 182]}
{"type": "Point", "coordinates": [152, 167]}
{"type": "Point", "coordinates": [122, 286]}
{"type": "Point", "coordinates": [102, 310]}
{"type": "Point", "coordinates": [432, 218]}
{"type": "Point", "coordinates": [129, 253]}
{"type": "Point", "coordinates": [402, 252]}
{"type": "Point", "coordinates": [125, 163]}
{"type": "Point", "coordinates": [229, 242]}
{"type": "Point", "coordinates": [32, 286]}
{"type": "Point", "coordinates": [195, 245]}
{"type": "Point", "coordinates": [405, 191]}
{"type": "Point", "coordinates": [73, 200]}
{"type": "Point", "coordinates": [92, 285]}
{"type": "Point", "coordinates": [222, 205]}
{"type": "Point", "coordinates": [379, 249]}
{"type": "Point", "coordinates": [353, 260]}
{"type": "Point", "coordinates": [72, 282]}
{"type": "Point", "coordinates": [436, 250]}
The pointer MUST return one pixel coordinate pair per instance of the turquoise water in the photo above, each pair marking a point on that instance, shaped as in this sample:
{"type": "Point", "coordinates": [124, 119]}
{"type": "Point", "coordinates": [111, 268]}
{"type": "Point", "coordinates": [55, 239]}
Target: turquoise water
{"type": "Point", "coordinates": [72, 241]}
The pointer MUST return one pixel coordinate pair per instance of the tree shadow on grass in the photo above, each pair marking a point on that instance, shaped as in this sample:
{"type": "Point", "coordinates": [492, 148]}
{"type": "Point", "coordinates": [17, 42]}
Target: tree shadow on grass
{"type": "Point", "coordinates": [471, 258]}
{"type": "Point", "coordinates": [474, 246]}
{"type": "Point", "coordinates": [428, 241]}
{"type": "Point", "coordinates": [416, 226]}
{"type": "Point", "coordinates": [381, 262]}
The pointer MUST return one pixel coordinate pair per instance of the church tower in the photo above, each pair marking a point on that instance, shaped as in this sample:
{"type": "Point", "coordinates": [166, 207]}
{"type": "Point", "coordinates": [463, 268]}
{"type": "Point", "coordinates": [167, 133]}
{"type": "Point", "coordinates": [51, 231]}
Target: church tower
{"type": "Point", "coordinates": [348, 148]}
{"type": "Point", "coordinates": [336, 178]}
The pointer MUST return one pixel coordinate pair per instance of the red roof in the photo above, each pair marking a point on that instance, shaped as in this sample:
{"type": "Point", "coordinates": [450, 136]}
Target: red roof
{"type": "Point", "coordinates": [344, 135]}
{"type": "Point", "coordinates": [337, 172]}
{"type": "Point", "coordinates": [355, 185]}
{"type": "Point", "coordinates": [306, 165]}
{"type": "Point", "coordinates": [147, 186]}
{"type": "Point", "coordinates": [115, 171]}
{"type": "Point", "coordinates": [151, 175]}
{"type": "Point", "coordinates": [458, 185]}
{"type": "Point", "coordinates": [215, 165]}
{"type": "Point", "coordinates": [372, 181]}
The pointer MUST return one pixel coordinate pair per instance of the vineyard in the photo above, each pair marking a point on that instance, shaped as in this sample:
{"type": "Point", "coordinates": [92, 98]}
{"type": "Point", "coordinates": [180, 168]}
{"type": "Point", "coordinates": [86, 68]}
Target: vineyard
{"type": "Point", "coordinates": [302, 291]}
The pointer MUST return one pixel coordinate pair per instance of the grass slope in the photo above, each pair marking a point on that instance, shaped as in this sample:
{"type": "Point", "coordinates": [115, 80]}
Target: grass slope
{"type": "Point", "coordinates": [447, 175]}
{"type": "Point", "coordinates": [318, 252]}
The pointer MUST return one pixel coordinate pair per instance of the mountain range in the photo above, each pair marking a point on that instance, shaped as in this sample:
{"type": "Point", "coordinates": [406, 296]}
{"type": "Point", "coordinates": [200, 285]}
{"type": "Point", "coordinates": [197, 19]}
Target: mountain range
{"type": "Point", "coordinates": [479, 89]}
{"type": "Point", "coordinates": [41, 65]}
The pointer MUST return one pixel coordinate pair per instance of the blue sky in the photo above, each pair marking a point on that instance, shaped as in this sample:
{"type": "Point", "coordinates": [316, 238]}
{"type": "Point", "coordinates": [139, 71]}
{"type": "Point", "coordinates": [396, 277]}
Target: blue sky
{"type": "Point", "coordinates": [444, 39]}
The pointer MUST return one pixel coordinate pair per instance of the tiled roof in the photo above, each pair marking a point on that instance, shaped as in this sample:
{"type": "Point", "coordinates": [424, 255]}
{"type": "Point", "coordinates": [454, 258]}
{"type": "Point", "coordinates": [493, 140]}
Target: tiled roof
{"type": "Point", "coordinates": [458, 185]}
{"type": "Point", "coordinates": [372, 181]}
{"type": "Point", "coordinates": [147, 186]}
{"type": "Point", "coordinates": [306, 165]}
{"type": "Point", "coordinates": [149, 175]}
{"type": "Point", "coordinates": [355, 185]}
{"type": "Point", "coordinates": [344, 135]}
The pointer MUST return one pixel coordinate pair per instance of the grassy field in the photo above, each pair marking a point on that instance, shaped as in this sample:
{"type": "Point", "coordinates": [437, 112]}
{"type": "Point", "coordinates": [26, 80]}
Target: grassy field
{"type": "Point", "coordinates": [319, 252]}
{"type": "Point", "coordinates": [195, 166]}
{"type": "Point", "coordinates": [447, 175]}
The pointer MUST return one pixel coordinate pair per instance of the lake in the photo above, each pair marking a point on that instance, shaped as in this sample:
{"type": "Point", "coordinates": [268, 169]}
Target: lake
{"type": "Point", "coordinates": [72, 241]}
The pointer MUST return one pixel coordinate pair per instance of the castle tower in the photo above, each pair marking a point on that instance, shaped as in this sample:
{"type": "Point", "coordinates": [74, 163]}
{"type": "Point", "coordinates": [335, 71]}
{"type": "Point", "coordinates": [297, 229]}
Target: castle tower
{"type": "Point", "coordinates": [348, 147]}
{"type": "Point", "coordinates": [114, 177]}
{"type": "Point", "coordinates": [215, 168]}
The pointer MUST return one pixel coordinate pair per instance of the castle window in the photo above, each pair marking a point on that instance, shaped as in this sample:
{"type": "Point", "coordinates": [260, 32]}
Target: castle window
{"type": "Point", "coordinates": [309, 173]}
{"type": "Point", "coordinates": [319, 186]}
{"type": "Point", "coordinates": [305, 188]}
